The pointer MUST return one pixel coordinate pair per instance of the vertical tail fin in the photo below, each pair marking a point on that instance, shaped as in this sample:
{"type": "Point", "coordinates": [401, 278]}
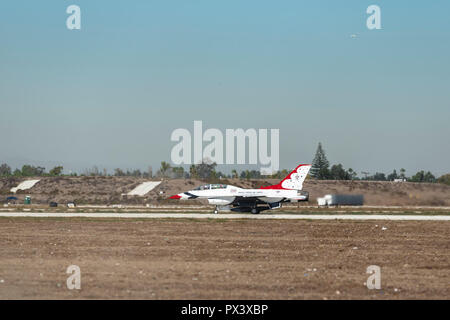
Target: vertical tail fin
{"type": "Point", "coordinates": [294, 180]}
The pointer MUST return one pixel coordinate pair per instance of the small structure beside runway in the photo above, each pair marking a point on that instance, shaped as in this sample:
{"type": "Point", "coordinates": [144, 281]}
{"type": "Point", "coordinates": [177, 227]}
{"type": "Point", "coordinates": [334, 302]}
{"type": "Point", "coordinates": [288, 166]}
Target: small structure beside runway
{"type": "Point", "coordinates": [341, 199]}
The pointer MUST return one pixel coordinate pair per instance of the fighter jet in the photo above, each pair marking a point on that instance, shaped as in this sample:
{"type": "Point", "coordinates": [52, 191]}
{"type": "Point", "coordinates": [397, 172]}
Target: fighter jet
{"type": "Point", "coordinates": [227, 197]}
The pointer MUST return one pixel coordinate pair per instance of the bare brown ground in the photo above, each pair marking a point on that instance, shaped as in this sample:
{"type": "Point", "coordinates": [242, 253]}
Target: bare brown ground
{"type": "Point", "coordinates": [234, 259]}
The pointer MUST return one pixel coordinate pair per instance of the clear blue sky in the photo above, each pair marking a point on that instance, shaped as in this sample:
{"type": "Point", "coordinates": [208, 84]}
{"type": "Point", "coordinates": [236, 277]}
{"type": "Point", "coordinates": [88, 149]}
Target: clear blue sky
{"type": "Point", "coordinates": [111, 93]}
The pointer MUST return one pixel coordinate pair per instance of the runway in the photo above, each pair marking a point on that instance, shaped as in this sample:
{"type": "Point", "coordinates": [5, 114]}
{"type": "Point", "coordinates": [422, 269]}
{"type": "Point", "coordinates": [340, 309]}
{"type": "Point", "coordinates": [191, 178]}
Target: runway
{"type": "Point", "coordinates": [228, 216]}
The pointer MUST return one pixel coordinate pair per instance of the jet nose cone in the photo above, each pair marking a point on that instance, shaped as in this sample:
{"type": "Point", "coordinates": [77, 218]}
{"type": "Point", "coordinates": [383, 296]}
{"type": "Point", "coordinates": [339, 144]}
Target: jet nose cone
{"type": "Point", "coordinates": [175, 197]}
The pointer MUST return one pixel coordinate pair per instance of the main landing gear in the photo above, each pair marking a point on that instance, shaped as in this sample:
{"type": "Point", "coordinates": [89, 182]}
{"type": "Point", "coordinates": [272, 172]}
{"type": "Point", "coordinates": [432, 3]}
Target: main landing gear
{"type": "Point", "coordinates": [216, 211]}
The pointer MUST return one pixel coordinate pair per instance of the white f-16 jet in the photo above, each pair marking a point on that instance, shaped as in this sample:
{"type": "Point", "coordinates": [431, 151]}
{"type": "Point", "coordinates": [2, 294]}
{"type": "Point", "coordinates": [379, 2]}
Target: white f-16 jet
{"type": "Point", "coordinates": [226, 197]}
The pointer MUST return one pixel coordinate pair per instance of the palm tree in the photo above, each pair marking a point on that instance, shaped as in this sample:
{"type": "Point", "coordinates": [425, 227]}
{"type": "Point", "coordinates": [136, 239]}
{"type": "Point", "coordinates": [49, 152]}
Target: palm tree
{"type": "Point", "coordinates": [402, 173]}
{"type": "Point", "coordinates": [352, 173]}
{"type": "Point", "coordinates": [193, 171]}
{"type": "Point", "coordinates": [164, 168]}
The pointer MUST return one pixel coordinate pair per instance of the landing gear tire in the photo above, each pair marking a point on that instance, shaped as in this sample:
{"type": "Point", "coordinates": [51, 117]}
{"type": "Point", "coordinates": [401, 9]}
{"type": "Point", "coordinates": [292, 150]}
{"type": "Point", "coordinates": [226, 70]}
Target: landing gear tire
{"type": "Point", "coordinates": [255, 211]}
{"type": "Point", "coordinates": [216, 211]}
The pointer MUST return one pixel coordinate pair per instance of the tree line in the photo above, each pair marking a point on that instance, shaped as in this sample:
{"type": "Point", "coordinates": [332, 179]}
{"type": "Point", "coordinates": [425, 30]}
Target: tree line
{"type": "Point", "coordinates": [320, 170]}
{"type": "Point", "coordinates": [29, 171]}
{"type": "Point", "coordinates": [204, 171]}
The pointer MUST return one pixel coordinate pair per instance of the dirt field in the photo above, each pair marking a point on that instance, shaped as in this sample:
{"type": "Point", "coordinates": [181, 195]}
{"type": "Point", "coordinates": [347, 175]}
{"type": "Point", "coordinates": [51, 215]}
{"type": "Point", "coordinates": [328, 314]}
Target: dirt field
{"type": "Point", "coordinates": [217, 259]}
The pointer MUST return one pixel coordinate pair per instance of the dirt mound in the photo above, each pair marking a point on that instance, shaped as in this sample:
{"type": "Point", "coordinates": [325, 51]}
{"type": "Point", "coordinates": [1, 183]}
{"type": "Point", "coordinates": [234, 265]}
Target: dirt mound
{"type": "Point", "coordinates": [92, 190]}
{"type": "Point", "coordinates": [385, 193]}
{"type": "Point", "coordinates": [375, 192]}
{"type": "Point", "coordinates": [113, 190]}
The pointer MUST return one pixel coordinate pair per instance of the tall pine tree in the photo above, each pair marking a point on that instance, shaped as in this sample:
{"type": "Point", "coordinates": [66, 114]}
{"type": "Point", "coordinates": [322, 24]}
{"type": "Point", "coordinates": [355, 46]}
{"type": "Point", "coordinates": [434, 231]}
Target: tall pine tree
{"type": "Point", "coordinates": [320, 164]}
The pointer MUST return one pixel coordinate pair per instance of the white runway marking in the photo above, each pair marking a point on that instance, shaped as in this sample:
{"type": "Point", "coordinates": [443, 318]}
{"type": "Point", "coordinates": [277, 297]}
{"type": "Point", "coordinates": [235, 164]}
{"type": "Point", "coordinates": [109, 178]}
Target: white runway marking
{"type": "Point", "coordinates": [227, 216]}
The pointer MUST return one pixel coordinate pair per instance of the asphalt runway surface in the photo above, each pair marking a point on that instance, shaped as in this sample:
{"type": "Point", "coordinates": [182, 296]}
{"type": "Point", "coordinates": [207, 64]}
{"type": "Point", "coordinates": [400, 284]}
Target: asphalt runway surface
{"type": "Point", "coordinates": [228, 216]}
